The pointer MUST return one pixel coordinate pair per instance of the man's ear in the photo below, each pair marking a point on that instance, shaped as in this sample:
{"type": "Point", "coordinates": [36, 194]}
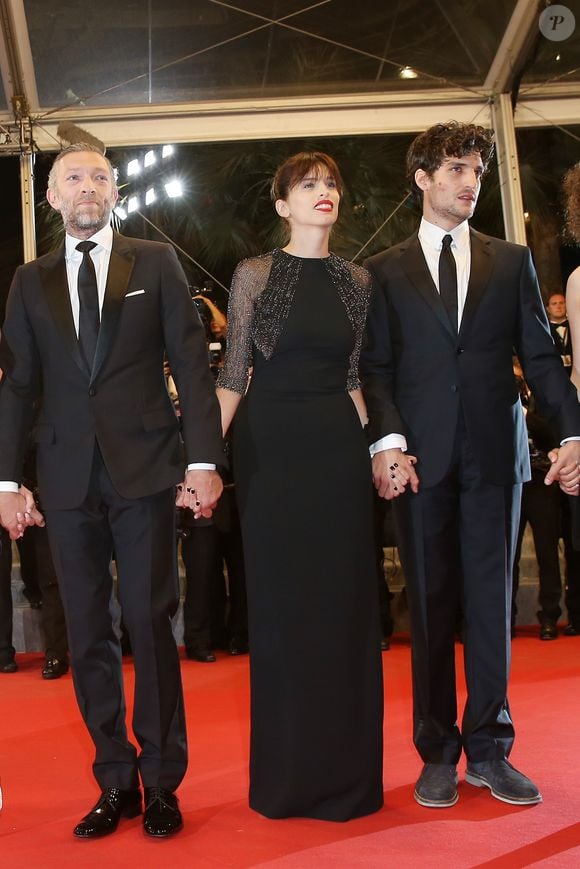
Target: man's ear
{"type": "Point", "coordinates": [282, 209]}
{"type": "Point", "coordinates": [52, 199]}
{"type": "Point", "coordinates": [422, 179]}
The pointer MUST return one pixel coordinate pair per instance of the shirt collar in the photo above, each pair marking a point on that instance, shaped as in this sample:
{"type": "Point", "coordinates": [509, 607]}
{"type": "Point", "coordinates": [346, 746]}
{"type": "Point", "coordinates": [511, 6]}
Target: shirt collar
{"type": "Point", "coordinates": [104, 238]}
{"type": "Point", "coordinates": [433, 235]}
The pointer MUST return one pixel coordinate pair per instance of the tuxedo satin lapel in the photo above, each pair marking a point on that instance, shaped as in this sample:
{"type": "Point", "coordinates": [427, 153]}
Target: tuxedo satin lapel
{"type": "Point", "coordinates": [415, 267]}
{"type": "Point", "coordinates": [482, 259]}
{"type": "Point", "coordinates": [120, 269]}
{"type": "Point", "coordinates": [54, 279]}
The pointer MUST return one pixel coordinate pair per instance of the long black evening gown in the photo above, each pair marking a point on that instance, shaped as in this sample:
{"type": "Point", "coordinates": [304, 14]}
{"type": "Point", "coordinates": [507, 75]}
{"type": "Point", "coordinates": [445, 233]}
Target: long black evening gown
{"type": "Point", "coordinates": [304, 486]}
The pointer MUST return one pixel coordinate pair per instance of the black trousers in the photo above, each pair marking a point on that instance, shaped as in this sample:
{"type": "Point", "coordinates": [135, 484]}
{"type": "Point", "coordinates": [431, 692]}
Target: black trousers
{"type": "Point", "coordinates": [541, 509]}
{"type": "Point", "coordinates": [6, 647]}
{"type": "Point", "coordinates": [457, 543]}
{"type": "Point", "coordinates": [572, 559]}
{"type": "Point", "coordinates": [142, 534]}
{"type": "Point", "coordinates": [39, 562]}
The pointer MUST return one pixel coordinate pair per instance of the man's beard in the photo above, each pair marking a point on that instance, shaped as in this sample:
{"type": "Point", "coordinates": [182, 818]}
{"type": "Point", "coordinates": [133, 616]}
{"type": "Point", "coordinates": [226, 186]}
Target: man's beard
{"type": "Point", "coordinates": [76, 218]}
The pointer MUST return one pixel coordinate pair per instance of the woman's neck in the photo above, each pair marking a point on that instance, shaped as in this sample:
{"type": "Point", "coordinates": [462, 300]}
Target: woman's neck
{"type": "Point", "coordinates": [309, 243]}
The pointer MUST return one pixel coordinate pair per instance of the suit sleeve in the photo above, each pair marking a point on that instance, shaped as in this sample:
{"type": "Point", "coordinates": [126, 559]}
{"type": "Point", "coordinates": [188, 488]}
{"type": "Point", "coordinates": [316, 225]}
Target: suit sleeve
{"type": "Point", "coordinates": [20, 386]}
{"type": "Point", "coordinates": [377, 367]}
{"type": "Point", "coordinates": [186, 350]}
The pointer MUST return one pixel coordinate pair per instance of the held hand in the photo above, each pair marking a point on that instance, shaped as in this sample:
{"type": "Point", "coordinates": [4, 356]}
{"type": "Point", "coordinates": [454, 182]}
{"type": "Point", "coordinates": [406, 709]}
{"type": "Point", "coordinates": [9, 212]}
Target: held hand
{"type": "Point", "coordinates": [201, 491]}
{"type": "Point", "coordinates": [16, 513]}
{"type": "Point", "coordinates": [32, 514]}
{"type": "Point", "coordinates": [565, 468]}
{"type": "Point", "coordinates": [393, 471]}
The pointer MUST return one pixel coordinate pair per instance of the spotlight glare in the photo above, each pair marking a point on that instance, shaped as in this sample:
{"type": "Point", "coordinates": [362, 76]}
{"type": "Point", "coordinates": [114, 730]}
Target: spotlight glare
{"type": "Point", "coordinates": [174, 188]}
{"type": "Point", "coordinates": [149, 159]}
{"type": "Point", "coordinates": [132, 204]}
{"type": "Point", "coordinates": [133, 167]}
{"type": "Point", "coordinates": [167, 151]}
{"type": "Point", "coordinates": [120, 212]}
{"type": "Point", "coordinates": [150, 196]}
{"type": "Point", "coordinates": [407, 72]}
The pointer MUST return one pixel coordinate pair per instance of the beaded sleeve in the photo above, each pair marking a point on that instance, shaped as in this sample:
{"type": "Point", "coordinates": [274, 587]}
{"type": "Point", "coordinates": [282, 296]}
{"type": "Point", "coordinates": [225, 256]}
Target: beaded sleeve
{"type": "Point", "coordinates": [260, 298]}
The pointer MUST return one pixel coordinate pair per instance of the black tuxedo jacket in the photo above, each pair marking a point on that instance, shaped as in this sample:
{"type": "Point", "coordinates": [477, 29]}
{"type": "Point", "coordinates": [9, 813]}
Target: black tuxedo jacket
{"type": "Point", "coordinates": [417, 374]}
{"type": "Point", "coordinates": [123, 401]}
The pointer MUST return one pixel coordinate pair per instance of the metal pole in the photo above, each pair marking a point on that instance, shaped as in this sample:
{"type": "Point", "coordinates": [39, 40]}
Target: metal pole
{"type": "Point", "coordinates": [509, 171]}
{"type": "Point", "coordinates": [27, 200]}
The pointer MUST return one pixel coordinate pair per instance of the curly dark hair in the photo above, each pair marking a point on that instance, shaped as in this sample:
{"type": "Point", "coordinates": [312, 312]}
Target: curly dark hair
{"type": "Point", "coordinates": [452, 139]}
{"type": "Point", "coordinates": [295, 168]}
{"type": "Point", "coordinates": [571, 186]}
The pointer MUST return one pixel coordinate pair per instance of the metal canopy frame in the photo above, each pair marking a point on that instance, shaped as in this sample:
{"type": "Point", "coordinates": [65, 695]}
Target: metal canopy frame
{"type": "Point", "coordinates": [31, 126]}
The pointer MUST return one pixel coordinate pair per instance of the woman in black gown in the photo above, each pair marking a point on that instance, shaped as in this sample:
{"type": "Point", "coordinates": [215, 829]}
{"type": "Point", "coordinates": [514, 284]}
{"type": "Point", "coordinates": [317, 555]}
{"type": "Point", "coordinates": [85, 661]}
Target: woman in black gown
{"type": "Point", "coordinates": [303, 479]}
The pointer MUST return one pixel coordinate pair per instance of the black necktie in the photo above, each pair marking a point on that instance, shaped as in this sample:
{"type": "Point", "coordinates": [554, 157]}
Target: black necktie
{"type": "Point", "coordinates": [448, 281]}
{"type": "Point", "coordinates": [88, 303]}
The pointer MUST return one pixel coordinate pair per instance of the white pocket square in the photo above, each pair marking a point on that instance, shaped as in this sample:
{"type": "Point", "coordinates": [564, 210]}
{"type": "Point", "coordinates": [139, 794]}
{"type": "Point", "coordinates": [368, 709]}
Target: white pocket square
{"type": "Point", "coordinates": [134, 293]}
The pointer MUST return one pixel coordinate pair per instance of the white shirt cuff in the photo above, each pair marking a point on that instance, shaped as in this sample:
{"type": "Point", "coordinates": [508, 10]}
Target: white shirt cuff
{"type": "Point", "coordinates": [390, 442]}
{"type": "Point", "coordinates": [8, 486]}
{"type": "Point", "coordinates": [201, 466]}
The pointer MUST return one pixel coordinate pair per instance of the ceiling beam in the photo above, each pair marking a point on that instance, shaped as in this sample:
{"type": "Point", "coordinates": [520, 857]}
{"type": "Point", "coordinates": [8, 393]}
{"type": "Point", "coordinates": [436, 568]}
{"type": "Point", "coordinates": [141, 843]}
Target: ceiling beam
{"type": "Point", "coordinates": [518, 39]}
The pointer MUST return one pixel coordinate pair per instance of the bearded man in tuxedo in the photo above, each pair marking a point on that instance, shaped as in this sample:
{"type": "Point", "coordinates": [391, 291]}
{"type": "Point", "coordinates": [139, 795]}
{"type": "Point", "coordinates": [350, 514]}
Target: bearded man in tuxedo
{"type": "Point", "coordinates": [450, 447]}
{"type": "Point", "coordinates": [86, 331]}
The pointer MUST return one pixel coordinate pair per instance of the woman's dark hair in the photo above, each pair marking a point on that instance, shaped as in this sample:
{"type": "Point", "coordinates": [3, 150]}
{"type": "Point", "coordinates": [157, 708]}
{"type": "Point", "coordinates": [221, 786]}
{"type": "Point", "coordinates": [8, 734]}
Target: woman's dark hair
{"type": "Point", "coordinates": [571, 187]}
{"type": "Point", "coordinates": [295, 168]}
{"type": "Point", "coordinates": [452, 139]}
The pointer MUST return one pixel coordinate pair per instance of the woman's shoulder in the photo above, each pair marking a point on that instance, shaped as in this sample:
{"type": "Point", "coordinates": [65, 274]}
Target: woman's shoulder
{"type": "Point", "coordinates": [573, 284]}
{"type": "Point", "coordinates": [358, 273]}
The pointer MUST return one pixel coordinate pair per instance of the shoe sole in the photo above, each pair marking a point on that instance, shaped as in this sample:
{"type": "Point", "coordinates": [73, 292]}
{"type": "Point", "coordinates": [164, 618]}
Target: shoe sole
{"type": "Point", "coordinates": [478, 781]}
{"type": "Point", "coordinates": [435, 804]}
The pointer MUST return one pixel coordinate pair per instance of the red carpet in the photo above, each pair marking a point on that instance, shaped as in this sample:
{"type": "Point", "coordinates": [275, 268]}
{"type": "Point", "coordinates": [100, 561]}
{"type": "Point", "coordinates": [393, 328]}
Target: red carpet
{"type": "Point", "coordinates": [45, 772]}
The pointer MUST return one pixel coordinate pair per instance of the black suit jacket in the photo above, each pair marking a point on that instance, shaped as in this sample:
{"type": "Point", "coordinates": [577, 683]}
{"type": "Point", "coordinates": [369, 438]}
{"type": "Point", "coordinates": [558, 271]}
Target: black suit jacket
{"type": "Point", "coordinates": [417, 374]}
{"type": "Point", "coordinates": [123, 402]}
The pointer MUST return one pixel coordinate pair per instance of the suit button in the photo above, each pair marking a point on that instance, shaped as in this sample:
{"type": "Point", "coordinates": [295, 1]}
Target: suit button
{"type": "Point", "coordinates": [454, 388]}
{"type": "Point", "coordinates": [92, 391]}
{"type": "Point", "coordinates": [460, 350]}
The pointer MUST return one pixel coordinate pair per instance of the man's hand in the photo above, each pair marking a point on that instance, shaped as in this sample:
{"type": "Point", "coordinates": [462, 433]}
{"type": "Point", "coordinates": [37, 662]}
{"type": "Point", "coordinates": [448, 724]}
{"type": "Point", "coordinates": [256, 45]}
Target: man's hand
{"type": "Point", "coordinates": [17, 511]}
{"type": "Point", "coordinates": [200, 492]}
{"type": "Point", "coordinates": [565, 468]}
{"type": "Point", "coordinates": [393, 471]}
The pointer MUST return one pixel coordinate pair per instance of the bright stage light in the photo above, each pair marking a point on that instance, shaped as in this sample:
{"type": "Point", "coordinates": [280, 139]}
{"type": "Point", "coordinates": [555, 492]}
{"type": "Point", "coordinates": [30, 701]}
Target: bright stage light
{"type": "Point", "coordinates": [174, 188]}
{"type": "Point", "coordinates": [120, 212]}
{"type": "Point", "coordinates": [167, 151]}
{"type": "Point", "coordinates": [150, 196]}
{"type": "Point", "coordinates": [132, 204]}
{"type": "Point", "coordinates": [133, 167]}
{"type": "Point", "coordinates": [149, 159]}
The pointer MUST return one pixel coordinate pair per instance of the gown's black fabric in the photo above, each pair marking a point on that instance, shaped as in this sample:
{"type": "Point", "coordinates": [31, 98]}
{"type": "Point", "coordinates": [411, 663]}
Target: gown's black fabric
{"type": "Point", "coordinates": [304, 486]}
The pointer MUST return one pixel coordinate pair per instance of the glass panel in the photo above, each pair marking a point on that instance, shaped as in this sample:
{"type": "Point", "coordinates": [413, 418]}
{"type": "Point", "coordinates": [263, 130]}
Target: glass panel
{"type": "Point", "coordinates": [177, 50]}
{"type": "Point", "coordinates": [545, 155]}
{"type": "Point", "coordinates": [11, 244]}
{"type": "Point", "coordinates": [555, 60]}
{"type": "Point", "coordinates": [3, 100]}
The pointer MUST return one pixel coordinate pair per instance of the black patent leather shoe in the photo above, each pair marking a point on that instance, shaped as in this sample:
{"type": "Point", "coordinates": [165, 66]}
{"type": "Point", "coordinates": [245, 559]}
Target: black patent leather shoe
{"type": "Point", "coordinates": [197, 653]}
{"type": "Point", "coordinates": [103, 819]}
{"type": "Point", "coordinates": [162, 817]}
{"type": "Point", "coordinates": [54, 668]}
{"type": "Point", "coordinates": [238, 647]}
{"type": "Point", "coordinates": [571, 630]}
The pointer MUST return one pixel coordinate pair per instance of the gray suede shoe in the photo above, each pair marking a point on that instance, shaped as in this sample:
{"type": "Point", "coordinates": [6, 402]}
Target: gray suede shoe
{"type": "Point", "coordinates": [505, 782]}
{"type": "Point", "coordinates": [437, 786]}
